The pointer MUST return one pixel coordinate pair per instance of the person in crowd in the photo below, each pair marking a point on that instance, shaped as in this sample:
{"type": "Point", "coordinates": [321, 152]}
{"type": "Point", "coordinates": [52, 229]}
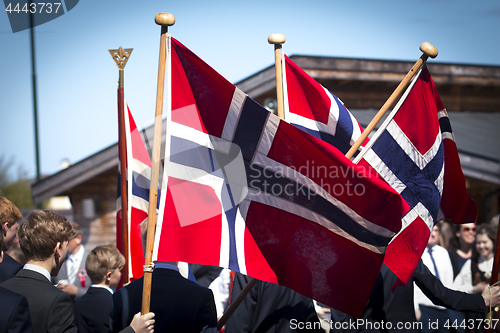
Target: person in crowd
{"type": "Point", "coordinates": [460, 250]}
{"type": "Point", "coordinates": [92, 310]}
{"type": "Point", "coordinates": [9, 219]}
{"type": "Point", "coordinates": [271, 308]}
{"type": "Point", "coordinates": [180, 305]}
{"type": "Point", "coordinates": [44, 237]}
{"type": "Point", "coordinates": [437, 260]}
{"type": "Point", "coordinates": [14, 310]}
{"type": "Point", "coordinates": [14, 313]}
{"type": "Point", "coordinates": [446, 234]}
{"type": "Point", "coordinates": [389, 311]}
{"type": "Point", "coordinates": [73, 278]}
{"type": "Point", "coordinates": [462, 245]}
{"type": "Point", "coordinates": [476, 273]}
{"type": "Point", "coordinates": [494, 222]}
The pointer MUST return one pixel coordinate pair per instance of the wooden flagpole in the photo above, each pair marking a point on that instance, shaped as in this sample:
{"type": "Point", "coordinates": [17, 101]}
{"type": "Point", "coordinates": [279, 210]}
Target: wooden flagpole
{"type": "Point", "coordinates": [428, 51]}
{"type": "Point", "coordinates": [164, 20]}
{"type": "Point", "coordinates": [121, 56]}
{"type": "Point", "coordinates": [277, 40]}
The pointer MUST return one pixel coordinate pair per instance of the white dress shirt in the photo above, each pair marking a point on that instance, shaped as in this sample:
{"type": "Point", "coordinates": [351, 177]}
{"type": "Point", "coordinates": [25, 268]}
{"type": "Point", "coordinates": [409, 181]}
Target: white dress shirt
{"type": "Point", "coordinates": [73, 264]}
{"type": "Point", "coordinates": [463, 281]}
{"type": "Point", "coordinates": [220, 289]}
{"type": "Point", "coordinates": [445, 272]}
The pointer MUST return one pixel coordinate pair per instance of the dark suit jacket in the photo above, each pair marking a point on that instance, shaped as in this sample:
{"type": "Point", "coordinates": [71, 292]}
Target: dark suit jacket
{"type": "Point", "coordinates": [51, 309]}
{"type": "Point", "coordinates": [14, 312]}
{"type": "Point", "coordinates": [271, 308]}
{"type": "Point", "coordinates": [398, 307]}
{"type": "Point", "coordinates": [205, 274]}
{"type": "Point", "coordinates": [92, 310]}
{"type": "Point", "coordinates": [63, 275]}
{"type": "Point", "coordinates": [179, 305]}
{"type": "Point", "coordinates": [8, 267]}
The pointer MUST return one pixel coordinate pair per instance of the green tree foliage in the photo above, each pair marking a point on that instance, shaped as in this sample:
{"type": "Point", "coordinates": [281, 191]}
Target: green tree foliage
{"type": "Point", "coordinates": [17, 189]}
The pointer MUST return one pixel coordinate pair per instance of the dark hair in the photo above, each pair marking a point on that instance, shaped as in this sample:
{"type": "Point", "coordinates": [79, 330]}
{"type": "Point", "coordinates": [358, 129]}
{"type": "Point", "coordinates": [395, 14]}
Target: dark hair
{"type": "Point", "coordinates": [454, 240]}
{"type": "Point", "coordinates": [40, 233]}
{"type": "Point", "coordinates": [485, 229]}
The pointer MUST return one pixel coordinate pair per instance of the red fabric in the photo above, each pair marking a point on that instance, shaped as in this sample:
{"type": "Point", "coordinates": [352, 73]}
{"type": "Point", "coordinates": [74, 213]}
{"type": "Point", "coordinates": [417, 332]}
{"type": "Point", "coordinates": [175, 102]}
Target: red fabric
{"type": "Point", "coordinates": [342, 276]}
{"type": "Point", "coordinates": [191, 229]}
{"type": "Point", "coordinates": [348, 181]}
{"type": "Point", "coordinates": [456, 202]}
{"type": "Point", "coordinates": [138, 210]}
{"type": "Point", "coordinates": [212, 104]}
{"type": "Point", "coordinates": [405, 250]}
{"type": "Point", "coordinates": [309, 98]}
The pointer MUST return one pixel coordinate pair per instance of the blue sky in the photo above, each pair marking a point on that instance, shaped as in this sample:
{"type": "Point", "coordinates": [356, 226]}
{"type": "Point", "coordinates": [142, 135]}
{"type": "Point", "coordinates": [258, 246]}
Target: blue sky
{"type": "Point", "coordinates": [77, 78]}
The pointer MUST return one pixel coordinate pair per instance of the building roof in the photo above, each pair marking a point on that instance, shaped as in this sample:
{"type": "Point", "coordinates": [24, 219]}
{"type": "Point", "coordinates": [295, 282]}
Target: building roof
{"type": "Point", "coordinates": [461, 87]}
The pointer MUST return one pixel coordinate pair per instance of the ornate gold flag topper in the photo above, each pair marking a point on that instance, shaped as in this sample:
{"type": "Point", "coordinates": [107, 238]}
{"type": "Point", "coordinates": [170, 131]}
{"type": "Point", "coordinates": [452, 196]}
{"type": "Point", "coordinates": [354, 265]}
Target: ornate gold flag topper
{"type": "Point", "coordinates": [120, 56]}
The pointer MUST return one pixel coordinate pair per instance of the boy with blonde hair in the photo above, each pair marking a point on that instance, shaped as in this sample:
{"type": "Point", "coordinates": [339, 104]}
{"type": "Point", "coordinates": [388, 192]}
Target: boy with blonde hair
{"type": "Point", "coordinates": [92, 310]}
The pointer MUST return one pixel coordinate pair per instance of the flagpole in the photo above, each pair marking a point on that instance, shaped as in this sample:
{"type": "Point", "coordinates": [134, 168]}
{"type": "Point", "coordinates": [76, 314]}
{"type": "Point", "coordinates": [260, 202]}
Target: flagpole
{"type": "Point", "coordinates": [121, 56]}
{"type": "Point", "coordinates": [428, 51]}
{"type": "Point", "coordinates": [278, 40]}
{"type": "Point", "coordinates": [164, 20]}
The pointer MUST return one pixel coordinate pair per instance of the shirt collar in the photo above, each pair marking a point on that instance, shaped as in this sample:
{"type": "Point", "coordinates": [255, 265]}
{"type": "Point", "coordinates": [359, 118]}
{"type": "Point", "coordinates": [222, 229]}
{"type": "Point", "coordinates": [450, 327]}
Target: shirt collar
{"type": "Point", "coordinates": [432, 248]}
{"type": "Point", "coordinates": [38, 269]}
{"type": "Point", "coordinates": [104, 287]}
{"type": "Point", "coordinates": [167, 266]}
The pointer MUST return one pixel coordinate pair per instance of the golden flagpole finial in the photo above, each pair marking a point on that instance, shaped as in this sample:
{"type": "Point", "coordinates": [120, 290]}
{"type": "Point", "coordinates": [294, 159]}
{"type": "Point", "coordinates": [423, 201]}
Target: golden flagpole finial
{"type": "Point", "coordinates": [120, 56]}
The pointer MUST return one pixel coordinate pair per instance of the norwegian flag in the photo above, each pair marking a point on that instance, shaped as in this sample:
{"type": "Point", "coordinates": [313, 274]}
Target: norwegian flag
{"type": "Point", "coordinates": [312, 108]}
{"type": "Point", "coordinates": [252, 193]}
{"type": "Point", "coordinates": [138, 175]}
{"type": "Point", "coordinates": [419, 159]}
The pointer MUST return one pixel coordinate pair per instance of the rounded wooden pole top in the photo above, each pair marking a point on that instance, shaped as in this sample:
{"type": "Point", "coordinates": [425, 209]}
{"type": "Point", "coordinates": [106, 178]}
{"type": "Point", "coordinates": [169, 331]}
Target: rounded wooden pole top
{"type": "Point", "coordinates": [276, 39]}
{"type": "Point", "coordinates": [429, 49]}
{"type": "Point", "coordinates": [165, 19]}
